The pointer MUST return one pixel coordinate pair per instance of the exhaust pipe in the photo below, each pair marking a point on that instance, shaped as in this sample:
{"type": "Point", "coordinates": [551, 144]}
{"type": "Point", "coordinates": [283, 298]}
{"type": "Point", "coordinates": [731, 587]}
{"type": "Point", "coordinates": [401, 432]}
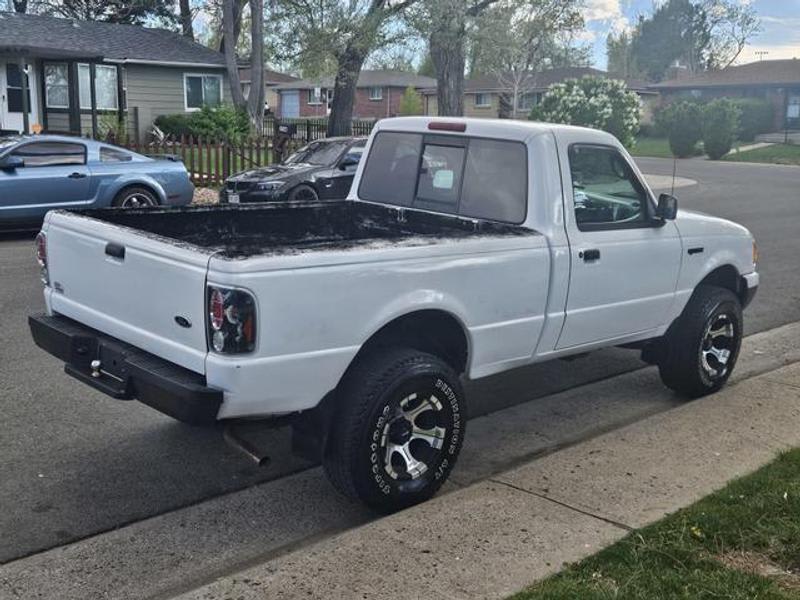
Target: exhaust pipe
{"type": "Point", "coordinates": [243, 445]}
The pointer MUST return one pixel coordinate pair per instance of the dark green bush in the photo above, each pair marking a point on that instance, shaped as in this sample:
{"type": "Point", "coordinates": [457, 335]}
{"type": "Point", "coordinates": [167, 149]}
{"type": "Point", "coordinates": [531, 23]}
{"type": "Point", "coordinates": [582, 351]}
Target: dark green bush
{"type": "Point", "coordinates": [682, 122]}
{"type": "Point", "coordinates": [225, 122]}
{"type": "Point", "coordinates": [720, 126]}
{"type": "Point", "coordinates": [757, 116]}
{"type": "Point", "coordinates": [174, 125]}
{"type": "Point", "coordinates": [221, 122]}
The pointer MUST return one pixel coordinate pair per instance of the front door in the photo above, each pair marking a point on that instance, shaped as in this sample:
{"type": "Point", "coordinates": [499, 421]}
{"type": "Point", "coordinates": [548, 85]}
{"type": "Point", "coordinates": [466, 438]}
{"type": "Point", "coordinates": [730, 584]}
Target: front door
{"type": "Point", "coordinates": [11, 100]}
{"type": "Point", "coordinates": [53, 175]}
{"type": "Point", "coordinates": [625, 262]}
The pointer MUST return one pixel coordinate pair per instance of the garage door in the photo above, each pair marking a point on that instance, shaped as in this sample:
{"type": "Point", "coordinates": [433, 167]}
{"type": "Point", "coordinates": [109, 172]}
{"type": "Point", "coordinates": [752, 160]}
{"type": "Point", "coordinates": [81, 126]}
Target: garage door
{"type": "Point", "coordinates": [290, 105]}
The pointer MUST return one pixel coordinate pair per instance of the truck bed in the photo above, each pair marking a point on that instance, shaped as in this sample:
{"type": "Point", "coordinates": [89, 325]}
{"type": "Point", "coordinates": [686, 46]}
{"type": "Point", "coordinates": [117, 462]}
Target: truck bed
{"type": "Point", "coordinates": [237, 232]}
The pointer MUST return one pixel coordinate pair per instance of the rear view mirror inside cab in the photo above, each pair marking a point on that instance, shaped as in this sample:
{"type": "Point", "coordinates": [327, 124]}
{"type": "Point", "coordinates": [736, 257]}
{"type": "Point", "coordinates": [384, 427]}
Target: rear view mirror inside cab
{"type": "Point", "coordinates": [443, 179]}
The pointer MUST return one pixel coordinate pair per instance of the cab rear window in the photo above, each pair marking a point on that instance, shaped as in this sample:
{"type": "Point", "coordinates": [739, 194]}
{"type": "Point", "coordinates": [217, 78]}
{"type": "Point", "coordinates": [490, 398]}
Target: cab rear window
{"type": "Point", "coordinates": [471, 177]}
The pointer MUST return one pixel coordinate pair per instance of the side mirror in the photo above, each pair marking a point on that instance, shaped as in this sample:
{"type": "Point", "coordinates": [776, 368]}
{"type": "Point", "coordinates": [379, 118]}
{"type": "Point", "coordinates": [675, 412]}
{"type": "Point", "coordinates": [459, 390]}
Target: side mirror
{"type": "Point", "coordinates": [667, 207]}
{"type": "Point", "coordinates": [347, 162]}
{"type": "Point", "coordinates": [10, 163]}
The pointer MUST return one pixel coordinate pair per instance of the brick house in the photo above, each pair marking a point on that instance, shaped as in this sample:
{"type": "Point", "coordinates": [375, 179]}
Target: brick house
{"type": "Point", "coordinates": [777, 81]}
{"type": "Point", "coordinates": [490, 96]}
{"type": "Point", "coordinates": [378, 94]}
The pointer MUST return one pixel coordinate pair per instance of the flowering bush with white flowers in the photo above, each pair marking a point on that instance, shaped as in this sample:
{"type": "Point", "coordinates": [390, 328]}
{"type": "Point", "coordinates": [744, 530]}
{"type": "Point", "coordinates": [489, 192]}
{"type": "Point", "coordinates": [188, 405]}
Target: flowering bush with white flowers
{"type": "Point", "coordinates": [596, 102]}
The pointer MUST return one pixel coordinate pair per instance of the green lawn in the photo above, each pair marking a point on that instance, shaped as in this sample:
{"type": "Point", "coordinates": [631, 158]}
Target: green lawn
{"type": "Point", "coordinates": [655, 147]}
{"type": "Point", "coordinates": [742, 542]}
{"type": "Point", "coordinates": [778, 154]}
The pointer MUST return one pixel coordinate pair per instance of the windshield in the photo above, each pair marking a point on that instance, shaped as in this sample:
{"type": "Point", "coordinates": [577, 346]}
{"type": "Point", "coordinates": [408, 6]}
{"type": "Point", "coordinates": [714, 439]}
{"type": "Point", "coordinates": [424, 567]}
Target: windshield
{"type": "Point", "coordinates": [318, 153]}
{"type": "Point", "coordinates": [7, 142]}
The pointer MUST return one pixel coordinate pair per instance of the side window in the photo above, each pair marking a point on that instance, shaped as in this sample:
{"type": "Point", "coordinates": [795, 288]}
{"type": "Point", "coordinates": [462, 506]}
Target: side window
{"type": "Point", "coordinates": [439, 179]}
{"type": "Point", "coordinates": [51, 154]}
{"type": "Point", "coordinates": [353, 157]}
{"type": "Point", "coordinates": [391, 169]}
{"type": "Point", "coordinates": [113, 155]}
{"type": "Point", "coordinates": [495, 181]}
{"type": "Point", "coordinates": [606, 192]}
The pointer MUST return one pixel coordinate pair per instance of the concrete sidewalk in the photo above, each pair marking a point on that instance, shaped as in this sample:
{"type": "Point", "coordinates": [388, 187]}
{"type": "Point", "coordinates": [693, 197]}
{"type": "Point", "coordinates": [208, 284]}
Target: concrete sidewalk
{"type": "Point", "coordinates": [497, 536]}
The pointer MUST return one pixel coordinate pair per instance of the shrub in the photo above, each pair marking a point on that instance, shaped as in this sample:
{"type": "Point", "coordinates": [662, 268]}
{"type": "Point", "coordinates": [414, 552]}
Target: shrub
{"type": "Point", "coordinates": [174, 125]}
{"type": "Point", "coordinates": [682, 121]}
{"type": "Point", "coordinates": [597, 102]}
{"type": "Point", "coordinates": [757, 116]}
{"type": "Point", "coordinates": [410, 103]}
{"type": "Point", "coordinates": [223, 121]}
{"type": "Point", "coordinates": [720, 125]}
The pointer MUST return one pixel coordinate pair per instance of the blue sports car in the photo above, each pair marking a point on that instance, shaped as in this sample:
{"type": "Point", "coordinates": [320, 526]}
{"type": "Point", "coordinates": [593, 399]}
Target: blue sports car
{"type": "Point", "coordinates": [43, 172]}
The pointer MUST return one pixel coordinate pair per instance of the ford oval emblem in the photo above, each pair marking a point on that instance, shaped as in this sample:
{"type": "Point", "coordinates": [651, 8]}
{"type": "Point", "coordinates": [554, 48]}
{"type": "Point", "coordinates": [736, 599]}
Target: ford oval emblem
{"type": "Point", "coordinates": [183, 321]}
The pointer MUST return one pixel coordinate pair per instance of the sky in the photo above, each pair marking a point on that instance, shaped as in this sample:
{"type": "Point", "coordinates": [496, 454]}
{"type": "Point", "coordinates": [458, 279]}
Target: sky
{"type": "Point", "coordinates": [780, 19]}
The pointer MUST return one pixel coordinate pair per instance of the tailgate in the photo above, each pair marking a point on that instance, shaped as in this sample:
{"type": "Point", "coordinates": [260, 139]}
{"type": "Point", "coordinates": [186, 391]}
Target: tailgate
{"type": "Point", "coordinates": [129, 285]}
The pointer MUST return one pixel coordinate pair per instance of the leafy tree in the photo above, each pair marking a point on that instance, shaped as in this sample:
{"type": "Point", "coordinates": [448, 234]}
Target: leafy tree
{"type": "Point", "coordinates": [597, 102]}
{"type": "Point", "coordinates": [111, 11]}
{"type": "Point", "coordinates": [340, 34]}
{"type": "Point", "coordinates": [426, 66]}
{"type": "Point", "coordinates": [410, 103]}
{"type": "Point", "coordinates": [720, 124]}
{"type": "Point", "coordinates": [254, 103]}
{"type": "Point", "coordinates": [518, 39]}
{"type": "Point", "coordinates": [621, 59]}
{"type": "Point", "coordinates": [683, 123]}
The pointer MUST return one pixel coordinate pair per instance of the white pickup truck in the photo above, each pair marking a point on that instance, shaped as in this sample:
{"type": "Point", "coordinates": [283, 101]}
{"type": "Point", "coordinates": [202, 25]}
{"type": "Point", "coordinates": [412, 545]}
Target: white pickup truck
{"type": "Point", "coordinates": [465, 248]}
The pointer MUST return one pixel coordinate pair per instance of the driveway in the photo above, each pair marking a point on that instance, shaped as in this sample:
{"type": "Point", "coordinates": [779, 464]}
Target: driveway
{"type": "Point", "coordinates": [75, 463]}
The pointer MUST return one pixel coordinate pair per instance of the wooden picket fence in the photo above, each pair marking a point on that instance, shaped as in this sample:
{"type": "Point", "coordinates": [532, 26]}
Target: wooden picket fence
{"type": "Point", "coordinates": [211, 161]}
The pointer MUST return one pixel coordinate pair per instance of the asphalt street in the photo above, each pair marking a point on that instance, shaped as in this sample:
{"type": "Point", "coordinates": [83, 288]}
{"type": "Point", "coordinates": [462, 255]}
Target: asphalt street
{"type": "Point", "coordinates": [74, 463]}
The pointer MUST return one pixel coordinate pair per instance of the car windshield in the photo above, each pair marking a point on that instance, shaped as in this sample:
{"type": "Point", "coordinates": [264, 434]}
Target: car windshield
{"type": "Point", "coordinates": [318, 153]}
{"type": "Point", "coordinates": [7, 142]}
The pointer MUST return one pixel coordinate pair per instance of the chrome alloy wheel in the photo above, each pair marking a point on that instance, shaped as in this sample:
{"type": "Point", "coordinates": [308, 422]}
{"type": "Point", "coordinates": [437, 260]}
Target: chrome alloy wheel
{"type": "Point", "coordinates": [719, 340]}
{"type": "Point", "coordinates": [413, 437]}
{"type": "Point", "coordinates": [137, 200]}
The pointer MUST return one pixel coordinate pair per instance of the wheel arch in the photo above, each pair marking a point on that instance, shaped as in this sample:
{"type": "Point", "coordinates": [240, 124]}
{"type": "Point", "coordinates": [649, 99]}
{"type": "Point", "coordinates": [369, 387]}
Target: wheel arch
{"type": "Point", "coordinates": [147, 183]}
{"type": "Point", "coordinates": [726, 276]}
{"type": "Point", "coordinates": [432, 330]}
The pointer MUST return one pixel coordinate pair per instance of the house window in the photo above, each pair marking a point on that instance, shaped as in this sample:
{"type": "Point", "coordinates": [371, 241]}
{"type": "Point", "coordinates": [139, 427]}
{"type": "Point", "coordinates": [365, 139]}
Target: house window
{"type": "Point", "coordinates": [105, 83]}
{"type": "Point", "coordinates": [202, 90]}
{"type": "Point", "coordinates": [315, 96]}
{"type": "Point", "coordinates": [483, 100]}
{"type": "Point", "coordinates": [56, 88]}
{"type": "Point", "coordinates": [527, 101]}
{"type": "Point", "coordinates": [14, 77]}
{"type": "Point", "coordinates": [376, 93]}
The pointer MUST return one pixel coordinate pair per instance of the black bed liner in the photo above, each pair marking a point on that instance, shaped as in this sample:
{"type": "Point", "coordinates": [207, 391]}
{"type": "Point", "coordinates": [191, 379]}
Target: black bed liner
{"type": "Point", "coordinates": [281, 228]}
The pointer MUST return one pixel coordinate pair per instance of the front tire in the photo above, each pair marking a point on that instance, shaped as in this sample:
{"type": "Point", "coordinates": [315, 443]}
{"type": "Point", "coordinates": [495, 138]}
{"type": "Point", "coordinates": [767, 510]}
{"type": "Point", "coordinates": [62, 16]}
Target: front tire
{"type": "Point", "coordinates": [303, 193]}
{"type": "Point", "coordinates": [398, 429]}
{"type": "Point", "coordinates": [703, 344]}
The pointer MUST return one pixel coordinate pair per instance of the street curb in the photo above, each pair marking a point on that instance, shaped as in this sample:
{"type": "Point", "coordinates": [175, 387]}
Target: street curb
{"type": "Point", "coordinates": [497, 536]}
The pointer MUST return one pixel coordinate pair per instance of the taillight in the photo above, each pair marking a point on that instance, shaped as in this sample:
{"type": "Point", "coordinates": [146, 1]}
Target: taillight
{"type": "Point", "coordinates": [231, 320]}
{"type": "Point", "coordinates": [41, 256]}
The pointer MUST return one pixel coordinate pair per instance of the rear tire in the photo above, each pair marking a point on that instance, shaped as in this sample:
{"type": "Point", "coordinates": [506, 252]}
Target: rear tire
{"type": "Point", "coordinates": [135, 197]}
{"type": "Point", "coordinates": [703, 344]}
{"type": "Point", "coordinates": [303, 193]}
{"type": "Point", "coordinates": [397, 430]}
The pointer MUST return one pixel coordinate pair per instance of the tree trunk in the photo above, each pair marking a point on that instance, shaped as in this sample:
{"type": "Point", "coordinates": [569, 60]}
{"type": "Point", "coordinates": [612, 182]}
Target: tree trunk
{"type": "Point", "coordinates": [228, 28]}
{"type": "Point", "coordinates": [448, 56]}
{"type": "Point", "coordinates": [255, 102]}
{"type": "Point", "coordinates": [238, 6]}
{"type": "Point", "coordinates": [186, 19]}
{"type": "Point", "coordinates": [20, 6]}
{"type": "Point", "coordinates": [340, 121]}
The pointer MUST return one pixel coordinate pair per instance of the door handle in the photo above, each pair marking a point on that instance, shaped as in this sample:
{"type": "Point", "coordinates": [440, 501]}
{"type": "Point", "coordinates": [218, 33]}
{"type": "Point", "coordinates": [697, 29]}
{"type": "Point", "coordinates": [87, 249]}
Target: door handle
{"type": "Point", "coordinates": [76, 175]}
{"type": "Point", "coordinates": [115, 250]}
{"type": "Point", "coordinates": [589, 255]}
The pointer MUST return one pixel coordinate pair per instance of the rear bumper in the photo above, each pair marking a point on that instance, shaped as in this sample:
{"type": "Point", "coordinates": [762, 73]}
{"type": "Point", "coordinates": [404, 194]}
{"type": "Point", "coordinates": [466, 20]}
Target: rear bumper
{"type": "Point", "coordinates": [126, 372]}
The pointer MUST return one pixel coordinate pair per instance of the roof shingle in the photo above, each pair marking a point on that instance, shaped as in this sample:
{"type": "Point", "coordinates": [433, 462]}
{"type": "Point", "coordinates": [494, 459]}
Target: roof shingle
{"type": "Point", "coordinates": [40, 35]}
{"type": "Point", "coordinates": [765, 72]}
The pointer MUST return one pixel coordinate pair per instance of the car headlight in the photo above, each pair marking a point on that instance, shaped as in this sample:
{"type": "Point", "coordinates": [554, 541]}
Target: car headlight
{"type": "Point", "coordinates": [270, 186]}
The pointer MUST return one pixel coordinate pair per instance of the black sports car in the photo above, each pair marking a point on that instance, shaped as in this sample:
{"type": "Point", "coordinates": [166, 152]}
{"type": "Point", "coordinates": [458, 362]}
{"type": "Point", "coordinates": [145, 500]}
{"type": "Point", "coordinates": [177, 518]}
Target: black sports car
{"type": "Point", "coordinates": [322, 170]}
